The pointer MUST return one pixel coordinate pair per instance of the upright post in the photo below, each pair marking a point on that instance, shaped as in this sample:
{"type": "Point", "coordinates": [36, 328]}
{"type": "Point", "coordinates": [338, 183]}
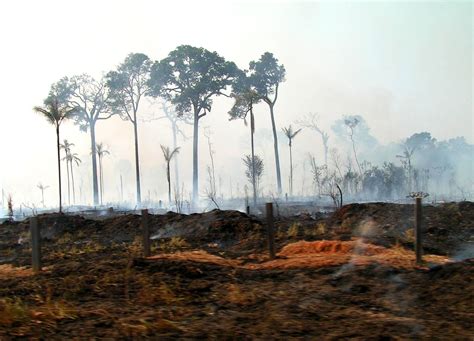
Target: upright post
{"type": "Point", "coordinates": [418, 231]}
{"type": "Point", "coordinates": [270, 235]}
{"type": "Point", "coordinates": [146, 233]}
{"type": "Point", "coordinates": [247, 210]}
{"type": "Point", "coordinates": [35, 244]}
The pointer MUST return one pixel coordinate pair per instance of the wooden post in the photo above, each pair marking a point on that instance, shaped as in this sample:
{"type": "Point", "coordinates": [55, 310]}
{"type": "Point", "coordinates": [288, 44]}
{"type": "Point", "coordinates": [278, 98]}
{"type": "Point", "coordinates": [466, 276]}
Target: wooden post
{"type": "Point", "coordinates": [35, 244]}
{"type": "Point", "coordinates": [146, 233]}
{"type": "Point", "coordinates": [271, 238]}
{"type": "Point", "coordinates": [418, 231]}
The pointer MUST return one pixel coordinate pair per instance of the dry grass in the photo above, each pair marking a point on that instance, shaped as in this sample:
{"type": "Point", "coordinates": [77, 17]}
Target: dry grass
{"type": "Point", "coordinates": [316, 254]}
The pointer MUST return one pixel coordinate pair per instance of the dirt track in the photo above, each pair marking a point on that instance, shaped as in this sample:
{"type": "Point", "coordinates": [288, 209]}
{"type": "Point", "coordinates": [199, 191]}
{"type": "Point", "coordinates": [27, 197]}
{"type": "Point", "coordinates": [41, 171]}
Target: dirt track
{"type": "Point", "coordinates": [209, 277]}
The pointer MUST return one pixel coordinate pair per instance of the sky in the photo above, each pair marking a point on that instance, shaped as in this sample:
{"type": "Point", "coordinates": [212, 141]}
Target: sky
{"type": "Point", "coordinates": [406, 67]}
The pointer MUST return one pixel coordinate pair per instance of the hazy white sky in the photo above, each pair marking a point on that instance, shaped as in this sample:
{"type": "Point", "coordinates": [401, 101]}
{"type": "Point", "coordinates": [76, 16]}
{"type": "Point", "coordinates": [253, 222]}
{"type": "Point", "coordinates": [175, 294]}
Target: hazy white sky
{"type": "Point", "coordinates": [405, 66]}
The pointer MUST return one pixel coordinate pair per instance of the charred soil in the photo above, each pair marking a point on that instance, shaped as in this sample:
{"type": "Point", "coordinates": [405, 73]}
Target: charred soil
{"type": "Point", "coordinates": [350, 275]}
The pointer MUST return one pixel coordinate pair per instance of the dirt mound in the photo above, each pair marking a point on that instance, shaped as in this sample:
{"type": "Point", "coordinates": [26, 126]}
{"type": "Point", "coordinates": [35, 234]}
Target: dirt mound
{"type": "Point", "coordinates": [447, 227]}
{"type": "Point", "coordinates": [305, 254]}
{"type": "Point", "coordinates": [330, 246]}
{"type": "Point", "coordinates": [215, 225]}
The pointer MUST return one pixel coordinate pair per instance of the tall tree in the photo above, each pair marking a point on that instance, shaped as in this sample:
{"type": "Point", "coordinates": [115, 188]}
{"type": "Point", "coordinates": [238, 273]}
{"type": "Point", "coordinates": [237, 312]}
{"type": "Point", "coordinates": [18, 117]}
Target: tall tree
{"type": "Point", "coordinates": [290, 134]}
{"type": "Point", "coordinates": [101, 152]}
{"type": "Point", "coordinates": [266, 76]}
{"type": "Point", "coordinates": [245, 98]}
{"type": "Point", "coordinates": [175, 119]}
{"type": "Point", "coordinates": [128, 85]}
{"type": "Point", "coordinates": [66, 145]}
{"type": "Point", "coordinates": [189, 77]}
{"type": "Point", "coordinates": [168, 155]}
{"type": "Point", "coordinates": [56, 112]}
{"type": "Point", "coordinates": [73, 159]}
{"type": "Point", "coordinates": [351, 123]}
{"type": "Point", "coordinates": [91, 98]}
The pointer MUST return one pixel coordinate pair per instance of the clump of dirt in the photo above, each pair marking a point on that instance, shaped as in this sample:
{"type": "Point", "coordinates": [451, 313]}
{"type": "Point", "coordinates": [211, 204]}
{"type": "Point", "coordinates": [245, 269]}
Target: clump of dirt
{"type": "Point", "coordinates": [331, 246]}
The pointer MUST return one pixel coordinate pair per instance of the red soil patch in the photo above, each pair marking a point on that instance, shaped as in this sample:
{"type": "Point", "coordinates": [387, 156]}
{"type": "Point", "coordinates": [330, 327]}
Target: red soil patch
{"type": "Point", "coordinates": [315, 254]}
{"type": "Point", "coordinates": [8, 271]}
{"type": "Point", "coordinates": [331, 246]}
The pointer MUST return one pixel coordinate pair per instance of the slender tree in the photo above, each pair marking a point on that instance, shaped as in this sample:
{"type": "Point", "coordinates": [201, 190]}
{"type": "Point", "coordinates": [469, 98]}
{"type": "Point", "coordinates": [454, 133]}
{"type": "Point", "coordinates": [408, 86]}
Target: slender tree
{"type": "Point", "coordinates": [175, 119]}
{"type": "Point", "coordinates": [128, 85]}
{"type": "Point", "coordinates": [66, 146]}
{"type": "Point", "coordinates": [101, 152]}
{"type": "Point", "coordinates": [73, 159]}
{"type": "Point", "coordinates": [266, 75]}
{"type": "Point", "coordinates": [91, 99]}
{"type": "Point", "coordinates": [56, 112]}
{"type": "Point", "coordinates": [188, 78]}
{"type": "Point", "coordinates": [168, 155]}
{"type": "Point", "coordinates": [311, 121]}
{"type": "Point", "coordinates": [351, 122]}
{"type": "Point", "coordinates": [253, 169]}
{"type": "Point", "coordinates": [290, 134]}
{"type": "Point", "coordinates": [245, 98]}
{"type": "Point", "coordinates": [42, 189]}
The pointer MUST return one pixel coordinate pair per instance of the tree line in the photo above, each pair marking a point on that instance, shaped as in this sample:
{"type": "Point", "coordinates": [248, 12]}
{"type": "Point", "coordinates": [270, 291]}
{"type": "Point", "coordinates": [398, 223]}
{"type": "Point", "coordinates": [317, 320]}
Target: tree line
{"type": "Point", "coordinates": [189, 78]}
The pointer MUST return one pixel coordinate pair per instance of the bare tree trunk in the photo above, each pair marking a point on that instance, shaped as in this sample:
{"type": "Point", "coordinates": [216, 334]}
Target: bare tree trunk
{"type": "Point", "coordinates": [68, 185]}
{"type": "Point", "coordinates": [275, 146]}
{"type": "Point", "coordinates": [291, 172]}
{"type": "Point", "coordinates": [101, 179]}
{"type": "Point", "coordinates": [169, 181]}
{"type": "Point", "coordinates": [72, 180]}
{"type": "Point", "coordinates": [59, 169]}
{"type": "Point", "coordinates": [325, 145]}
{"type": "Point", "coordinates": [254, 185]}
{"type": "Point", "coordinates": [355, 153]}
{"type": "Point", "coordinates": [175, 145]}
{"type": "Point", "coordinates": [195, 159]}
{"type": "Point", "coordinates": [95, 188]}
{"type": "Point", "coordinates": [137, 161]}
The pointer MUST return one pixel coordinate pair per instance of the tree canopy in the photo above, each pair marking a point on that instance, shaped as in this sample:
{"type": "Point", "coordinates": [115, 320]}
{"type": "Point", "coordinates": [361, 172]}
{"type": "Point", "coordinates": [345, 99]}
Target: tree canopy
{"type": "Point", "coordinates": [266, 75]}
{"type": "Point", "coordinates": [128, 84]}
{"type": "Point", "coordinates": [189, 77]}
{"type": "Point", "coordinates": [90, 97]}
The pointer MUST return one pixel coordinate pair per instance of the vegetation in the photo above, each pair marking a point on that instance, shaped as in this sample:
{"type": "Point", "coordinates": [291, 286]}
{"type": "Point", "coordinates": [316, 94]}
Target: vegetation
{"type": "Point", "coordinates": [56, 112]}
{"type": "Point", "coordinates": [101, 152]}
{"type": "Point", "coordinates": [188, 78]}
{"type": "Point", "coordinates": [290, 134]}
{"type": "Point", "coordinates": [128, 85]}
{"type": "Point", "coordinates": [266, 75]}
{"type": "Point", "coordinates": [168, 155]}
{"type": "Point", "coordinates": [91, 98]}
{"type": "Point", "coordinates": [185, 83]}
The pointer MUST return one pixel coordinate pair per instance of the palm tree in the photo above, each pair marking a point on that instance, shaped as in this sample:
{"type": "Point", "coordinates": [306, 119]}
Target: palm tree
{"type": "Point", "coordinates": [56, 112]}
{"type": "Point", "coordinates": [66, 145]}
{"type": "Point", "coordinates": [42, 189]}
{"type": "Point", "coordinates": [73, 158]}
{"type": "Point", "coordinates": [101, 152]}
{"type": "Point", "coordinates": [245, 99]}
{"type": "Point", "coordinates": [168, 155]}
{"type": "Point", "coordinates": [290, 134]}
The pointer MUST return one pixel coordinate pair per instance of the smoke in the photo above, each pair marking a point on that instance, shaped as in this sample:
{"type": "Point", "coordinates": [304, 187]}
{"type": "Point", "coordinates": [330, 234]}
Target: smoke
{"type": "Point", "coordinates": [365, 229]}
{"type": "Point", "coordinates": [466, 251]}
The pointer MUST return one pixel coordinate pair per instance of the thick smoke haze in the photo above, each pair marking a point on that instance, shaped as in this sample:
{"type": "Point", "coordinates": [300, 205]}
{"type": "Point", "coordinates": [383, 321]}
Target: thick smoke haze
{"type": "Point", "coordinates": [405, 67]}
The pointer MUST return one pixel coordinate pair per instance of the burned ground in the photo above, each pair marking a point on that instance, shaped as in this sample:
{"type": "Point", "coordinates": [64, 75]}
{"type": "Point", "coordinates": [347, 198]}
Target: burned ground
{"type": "Point", "coordinates": [350, 274]}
